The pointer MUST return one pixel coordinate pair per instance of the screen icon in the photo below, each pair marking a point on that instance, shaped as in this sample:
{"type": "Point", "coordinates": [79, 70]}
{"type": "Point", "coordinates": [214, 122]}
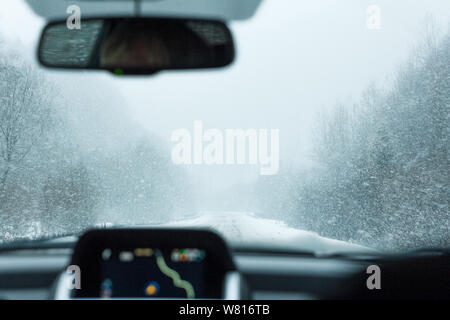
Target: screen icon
{"type": "Point", "coordinates": [106, 254]}
{"type": "Point", "coordinates": [152, 288]}
{"type": "Point", "coordinates": [143, 252]}
{"type": "Point", "coordinates": [126, 256]}
{"type": "Point", "coordinates": [106, 289]}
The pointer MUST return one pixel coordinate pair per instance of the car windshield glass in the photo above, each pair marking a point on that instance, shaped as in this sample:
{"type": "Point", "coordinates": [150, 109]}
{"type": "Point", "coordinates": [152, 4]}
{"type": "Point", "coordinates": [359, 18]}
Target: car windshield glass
{"type": "Point", "coordinates": [329, 132]}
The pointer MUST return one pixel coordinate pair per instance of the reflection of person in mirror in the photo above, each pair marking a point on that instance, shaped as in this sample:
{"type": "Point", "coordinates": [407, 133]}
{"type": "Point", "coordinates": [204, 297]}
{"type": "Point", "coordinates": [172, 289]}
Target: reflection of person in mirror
{"type": "Point", "coordinates": [131, 45]}
{"type": "Point", "coordinates": [149, 44]}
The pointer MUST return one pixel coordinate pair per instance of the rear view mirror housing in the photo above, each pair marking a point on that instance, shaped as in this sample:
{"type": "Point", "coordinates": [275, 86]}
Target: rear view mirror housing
{"type": "Point", "coordinates": [137, 45]}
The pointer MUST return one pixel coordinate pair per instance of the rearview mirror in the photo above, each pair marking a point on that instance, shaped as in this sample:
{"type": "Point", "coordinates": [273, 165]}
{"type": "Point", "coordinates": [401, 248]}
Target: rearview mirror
{"type": "Point", "coordinates": [137, 45]}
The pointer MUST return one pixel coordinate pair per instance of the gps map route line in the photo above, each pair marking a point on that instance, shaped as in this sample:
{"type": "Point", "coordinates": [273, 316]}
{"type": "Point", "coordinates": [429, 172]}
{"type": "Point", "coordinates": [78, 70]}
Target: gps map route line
{"type": "Point", "coordinates": [177, 281]}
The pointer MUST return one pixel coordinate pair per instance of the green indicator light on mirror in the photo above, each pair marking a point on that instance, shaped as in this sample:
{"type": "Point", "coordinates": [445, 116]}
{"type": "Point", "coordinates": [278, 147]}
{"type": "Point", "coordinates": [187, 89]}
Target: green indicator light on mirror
{"type": "Point", "coordinates": [118, 72]}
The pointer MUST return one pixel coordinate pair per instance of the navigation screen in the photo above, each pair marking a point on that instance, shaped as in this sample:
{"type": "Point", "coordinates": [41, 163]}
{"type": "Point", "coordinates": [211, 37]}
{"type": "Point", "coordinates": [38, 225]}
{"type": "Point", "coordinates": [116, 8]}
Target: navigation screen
{"type": "Point", "coordinates": [152, 273]}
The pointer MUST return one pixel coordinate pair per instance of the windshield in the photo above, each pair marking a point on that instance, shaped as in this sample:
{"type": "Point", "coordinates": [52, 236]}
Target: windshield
{"type": "Point", "coordinates": [329, 130]}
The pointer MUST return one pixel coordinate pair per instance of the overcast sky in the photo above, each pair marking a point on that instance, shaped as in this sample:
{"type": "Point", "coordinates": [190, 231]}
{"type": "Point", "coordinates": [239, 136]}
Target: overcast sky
{"type": "Point", "coordinates": [294, 57]}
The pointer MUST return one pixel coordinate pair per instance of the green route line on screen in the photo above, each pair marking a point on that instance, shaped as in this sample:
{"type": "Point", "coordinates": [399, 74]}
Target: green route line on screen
{"type": "Point", "coordinates": [177, 281]}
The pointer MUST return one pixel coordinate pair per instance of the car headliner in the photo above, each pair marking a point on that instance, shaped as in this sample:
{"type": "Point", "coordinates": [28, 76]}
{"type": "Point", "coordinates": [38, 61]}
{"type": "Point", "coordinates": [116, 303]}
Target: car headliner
{"type": "Point", "coordinates": [213, 9]}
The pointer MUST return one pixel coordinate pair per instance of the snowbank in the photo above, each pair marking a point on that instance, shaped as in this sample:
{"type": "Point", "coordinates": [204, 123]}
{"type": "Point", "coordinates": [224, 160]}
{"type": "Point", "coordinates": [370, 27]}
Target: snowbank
{"type": "Point", "coordinates": [246, 229]}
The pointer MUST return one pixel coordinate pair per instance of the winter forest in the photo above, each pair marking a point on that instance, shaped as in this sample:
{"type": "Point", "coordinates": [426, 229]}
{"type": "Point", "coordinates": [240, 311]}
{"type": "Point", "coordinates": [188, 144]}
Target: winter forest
{"type": "Point", "coordinates": [65, 165]}
{"type": "Point", "coordinates": [380, 177]}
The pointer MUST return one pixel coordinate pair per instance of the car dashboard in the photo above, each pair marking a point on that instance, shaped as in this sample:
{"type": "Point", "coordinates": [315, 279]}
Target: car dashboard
{"type": "Point", "coordinates": [40, 272]}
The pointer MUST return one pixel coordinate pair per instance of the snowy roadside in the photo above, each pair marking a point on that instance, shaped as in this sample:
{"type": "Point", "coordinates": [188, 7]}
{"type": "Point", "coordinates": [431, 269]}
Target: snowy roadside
{"type": "Point", "coordinates": [246, 229]}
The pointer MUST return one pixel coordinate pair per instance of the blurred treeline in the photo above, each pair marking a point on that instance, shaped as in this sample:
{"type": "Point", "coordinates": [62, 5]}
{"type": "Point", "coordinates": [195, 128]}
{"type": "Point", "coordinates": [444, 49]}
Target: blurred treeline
{"type": "Point", "coordinates": [382, 166]}
{"type": "Point", "coordinates": [70, 157]}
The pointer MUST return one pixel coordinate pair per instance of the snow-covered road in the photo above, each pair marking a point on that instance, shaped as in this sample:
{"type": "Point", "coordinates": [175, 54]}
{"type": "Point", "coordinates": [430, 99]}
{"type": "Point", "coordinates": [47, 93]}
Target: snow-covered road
{"type": "Point", "coordinates": [246, 229]}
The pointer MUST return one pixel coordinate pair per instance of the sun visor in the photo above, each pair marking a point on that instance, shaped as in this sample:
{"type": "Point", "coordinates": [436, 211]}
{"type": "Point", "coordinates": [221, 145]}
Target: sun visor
{"type": "Point", "coordinates": [226, 10]}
